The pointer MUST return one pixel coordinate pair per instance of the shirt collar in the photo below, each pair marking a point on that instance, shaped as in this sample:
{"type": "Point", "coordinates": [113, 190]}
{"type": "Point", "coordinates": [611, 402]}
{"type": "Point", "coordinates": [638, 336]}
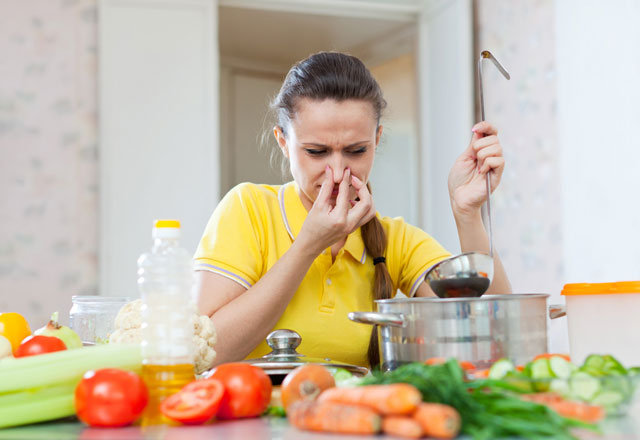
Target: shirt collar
{"type": "Point", "coordinates": [294, 213]}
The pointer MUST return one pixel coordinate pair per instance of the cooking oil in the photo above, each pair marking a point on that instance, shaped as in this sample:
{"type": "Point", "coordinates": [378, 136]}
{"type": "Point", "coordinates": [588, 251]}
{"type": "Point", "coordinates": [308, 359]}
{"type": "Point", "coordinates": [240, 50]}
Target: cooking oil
{"type": "Point", "coordinates": [165, 280]}
{"type": "Point", "coordinates": [162, 381]}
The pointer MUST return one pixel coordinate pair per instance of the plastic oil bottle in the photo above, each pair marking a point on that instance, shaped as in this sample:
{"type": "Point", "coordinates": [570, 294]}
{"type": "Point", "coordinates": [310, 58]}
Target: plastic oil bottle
{"type": "Point", "coordinates": [165, 280]}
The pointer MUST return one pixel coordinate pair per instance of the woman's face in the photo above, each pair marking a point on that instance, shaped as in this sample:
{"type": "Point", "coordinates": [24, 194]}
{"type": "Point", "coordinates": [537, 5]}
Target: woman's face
{"type": "Point", "coordinates": [337, 134]}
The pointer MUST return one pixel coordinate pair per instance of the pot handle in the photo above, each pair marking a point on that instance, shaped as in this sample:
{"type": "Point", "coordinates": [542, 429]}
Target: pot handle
{"type": "Point", "coordinates": [392, 319]}
{"type": "Point", "coordinates": [557, 311]}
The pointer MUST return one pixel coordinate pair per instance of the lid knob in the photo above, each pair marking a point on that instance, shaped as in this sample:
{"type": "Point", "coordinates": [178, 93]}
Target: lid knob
{"type": "Point", "coordinates": [283, 340]}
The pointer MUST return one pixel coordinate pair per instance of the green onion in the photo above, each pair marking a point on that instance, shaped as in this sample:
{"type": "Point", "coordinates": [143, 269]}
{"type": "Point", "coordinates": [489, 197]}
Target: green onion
{"type": "Point", "coordinates": [489, 408]}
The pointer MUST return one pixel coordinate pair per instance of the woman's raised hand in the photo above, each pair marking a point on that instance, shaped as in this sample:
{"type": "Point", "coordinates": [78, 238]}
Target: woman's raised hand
{"type": "Point", "coordinates": [327, 224]}
{"type": "Point", "coordinates": [467, 178]}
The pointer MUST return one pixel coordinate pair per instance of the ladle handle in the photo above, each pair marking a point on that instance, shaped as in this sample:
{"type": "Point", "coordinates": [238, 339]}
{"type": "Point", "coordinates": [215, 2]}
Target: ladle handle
{"type": "Point", "coordinates": [485, 54]}
{"type": "Point", "coordinates": [490, 227]}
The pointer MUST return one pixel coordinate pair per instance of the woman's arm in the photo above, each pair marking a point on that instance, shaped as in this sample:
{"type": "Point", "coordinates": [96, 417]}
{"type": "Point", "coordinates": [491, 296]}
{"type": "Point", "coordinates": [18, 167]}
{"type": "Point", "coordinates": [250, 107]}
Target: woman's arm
{"type": "Point", "coordinates": [244, 317]}
{"type": "Point", "coordinates": [467, 192]}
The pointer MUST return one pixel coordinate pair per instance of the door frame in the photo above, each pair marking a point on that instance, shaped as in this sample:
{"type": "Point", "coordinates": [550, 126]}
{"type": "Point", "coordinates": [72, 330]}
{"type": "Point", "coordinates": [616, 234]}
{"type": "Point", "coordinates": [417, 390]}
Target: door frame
{"type": "Point", "coordinates": [445, 86]}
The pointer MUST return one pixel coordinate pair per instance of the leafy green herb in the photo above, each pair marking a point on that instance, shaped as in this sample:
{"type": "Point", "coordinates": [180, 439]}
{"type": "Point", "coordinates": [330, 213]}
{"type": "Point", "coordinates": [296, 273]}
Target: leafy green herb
{"type": "Point", "coordinates": [275, 411]}
{"type": "Point", "coordinates": [489, 409]}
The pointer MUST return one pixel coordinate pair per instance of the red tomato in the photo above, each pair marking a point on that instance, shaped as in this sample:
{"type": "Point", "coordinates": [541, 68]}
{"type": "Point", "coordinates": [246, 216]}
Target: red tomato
{"type": "Point", "coordinates": [195, 403]}
{"type": "Point", "coordinates": [39, 344]}
{"type": "Point", "coordinates": [110, 397]}
{"type": "Point", "coordinates": [247, 390]}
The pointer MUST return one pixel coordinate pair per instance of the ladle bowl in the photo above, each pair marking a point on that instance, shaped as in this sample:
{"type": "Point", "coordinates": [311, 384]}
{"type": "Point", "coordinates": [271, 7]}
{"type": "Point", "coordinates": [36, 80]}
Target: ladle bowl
{"type": "Point", "coordinates": [464, 275]}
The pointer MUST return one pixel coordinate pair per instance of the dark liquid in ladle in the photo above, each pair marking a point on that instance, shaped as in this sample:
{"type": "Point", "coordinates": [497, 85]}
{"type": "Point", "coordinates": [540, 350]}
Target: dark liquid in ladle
{"type": "Point", "coordinates": [460, 287]}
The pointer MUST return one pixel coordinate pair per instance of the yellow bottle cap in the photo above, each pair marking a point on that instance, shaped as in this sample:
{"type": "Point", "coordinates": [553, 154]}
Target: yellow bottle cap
{"type": "Point", "coordinates": [167, 224]}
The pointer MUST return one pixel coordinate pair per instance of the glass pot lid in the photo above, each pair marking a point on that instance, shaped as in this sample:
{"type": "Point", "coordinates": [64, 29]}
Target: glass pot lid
{"type": "Point", "coordinates": [284, 357]}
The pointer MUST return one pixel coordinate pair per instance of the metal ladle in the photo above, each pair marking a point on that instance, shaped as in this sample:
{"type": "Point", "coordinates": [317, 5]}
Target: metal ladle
{"type": "Point", "coordinates": [468, 274]}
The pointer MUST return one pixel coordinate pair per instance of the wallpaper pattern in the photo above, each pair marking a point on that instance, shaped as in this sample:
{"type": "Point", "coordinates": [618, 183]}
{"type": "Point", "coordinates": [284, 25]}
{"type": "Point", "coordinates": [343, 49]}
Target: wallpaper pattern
{"type": "Point", "coordinates": [49, 173]}
{"type": "Point", "coordinates": [528, 206]}
{"type": "Point", "coordinates": [49, 170]}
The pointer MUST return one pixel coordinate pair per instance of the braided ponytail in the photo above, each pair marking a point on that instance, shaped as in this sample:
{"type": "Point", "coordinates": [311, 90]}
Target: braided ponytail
{"type": "Point", "coordinates": [333, 75]}
{"type": "Point", "coordinates": [375, 240]}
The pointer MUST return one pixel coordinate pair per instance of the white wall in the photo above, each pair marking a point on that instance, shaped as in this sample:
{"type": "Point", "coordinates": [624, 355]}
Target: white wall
{"type": "Point", "coordinates": [394, 177]}
{"type": "Point", "coordinates": [158, 122]}
{"type": "Point", "coordinates": [446, 116]}
{"type": "Point", "coordinates": [599, 116]}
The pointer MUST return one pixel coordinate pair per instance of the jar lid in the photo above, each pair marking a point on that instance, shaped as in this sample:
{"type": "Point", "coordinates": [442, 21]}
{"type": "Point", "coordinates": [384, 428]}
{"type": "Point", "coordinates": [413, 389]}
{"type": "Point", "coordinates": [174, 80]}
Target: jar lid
{"type": "Point", "coordinates": [99, 299]}
{"type": "Point", "coordinates": [620, 287]}
{"type": "Point", "coordinates": [285, 358]}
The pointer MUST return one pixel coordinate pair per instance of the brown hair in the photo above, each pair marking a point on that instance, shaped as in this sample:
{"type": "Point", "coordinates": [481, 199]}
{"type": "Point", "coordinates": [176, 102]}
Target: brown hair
{"type": "Point", "coordinates": [333, 75]}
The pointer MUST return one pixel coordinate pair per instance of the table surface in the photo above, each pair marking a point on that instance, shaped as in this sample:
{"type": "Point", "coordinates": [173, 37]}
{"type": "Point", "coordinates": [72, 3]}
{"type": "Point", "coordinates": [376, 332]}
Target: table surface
{"type": "Point", "coordinates": [621, 428]}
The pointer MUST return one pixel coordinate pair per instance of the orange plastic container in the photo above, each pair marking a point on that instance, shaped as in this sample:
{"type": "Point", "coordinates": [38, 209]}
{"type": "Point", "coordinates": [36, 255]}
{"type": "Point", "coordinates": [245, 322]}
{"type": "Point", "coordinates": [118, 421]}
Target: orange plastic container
{"type": "Point", "coordinates": [604, 318]}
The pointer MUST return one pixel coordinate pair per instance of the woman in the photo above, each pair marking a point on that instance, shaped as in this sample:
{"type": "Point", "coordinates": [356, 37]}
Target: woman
{"type": "Point", "coordinates": [304, 254]}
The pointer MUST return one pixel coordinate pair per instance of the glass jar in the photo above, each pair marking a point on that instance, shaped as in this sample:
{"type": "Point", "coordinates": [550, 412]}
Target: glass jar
{"type": "Point", "coordinates": [93, 316]}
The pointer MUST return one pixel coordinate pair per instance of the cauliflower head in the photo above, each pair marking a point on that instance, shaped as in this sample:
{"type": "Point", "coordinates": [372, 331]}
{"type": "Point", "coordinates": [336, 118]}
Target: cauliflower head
{"type": "Point", "coordinates": [128, 325]}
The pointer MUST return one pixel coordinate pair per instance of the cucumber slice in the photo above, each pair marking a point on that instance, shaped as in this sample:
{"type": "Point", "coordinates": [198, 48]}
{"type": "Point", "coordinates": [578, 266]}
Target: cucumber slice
{"type": "Point", "coordinates": [618, 384]}
{"type": "Point", "coordinates": [560, 367]}
{"type": "Point", "coordinates": [527, 369]}
{"type": "Point", "coordinates": [594, 362]}
{"type": "Point", "coordinates": [613, 366]}
{"type": "Point", "coordinates": [608, 399]}
{"type": "Point", "coordinates": [560, 386]}
{"type": "Point", "coordinates": [341, 374]}
{"type": "Point", "coordinates": [592, 371]}
{"type": "Point", "coordinates": [541, 369]}
{"type": "Point", "coordinates": [541, 373]}
{"type": "Point", "coordinates": [500, 369]}
{"type": "Point", "coordinates": [520, 381]}
{"type": "Point", "coordinates": [583, 385]}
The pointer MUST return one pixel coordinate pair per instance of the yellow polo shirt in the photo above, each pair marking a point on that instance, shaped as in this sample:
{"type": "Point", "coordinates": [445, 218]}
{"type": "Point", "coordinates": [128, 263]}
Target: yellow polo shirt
{"type": "Point", "coordinates": [254, 225]}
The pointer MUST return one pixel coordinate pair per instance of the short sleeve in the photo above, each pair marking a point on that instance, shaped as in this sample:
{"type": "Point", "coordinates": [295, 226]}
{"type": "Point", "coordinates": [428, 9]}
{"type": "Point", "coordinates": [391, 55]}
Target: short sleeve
{"type": "Point", "coordinates": [231, 244]}
{"type": "Point", "coordinates": [411, 252]}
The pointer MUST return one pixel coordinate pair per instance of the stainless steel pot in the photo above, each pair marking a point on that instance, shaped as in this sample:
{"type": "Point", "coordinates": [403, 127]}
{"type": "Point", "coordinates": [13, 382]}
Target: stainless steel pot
{"type": "Point", "coordinates": [479, 330]}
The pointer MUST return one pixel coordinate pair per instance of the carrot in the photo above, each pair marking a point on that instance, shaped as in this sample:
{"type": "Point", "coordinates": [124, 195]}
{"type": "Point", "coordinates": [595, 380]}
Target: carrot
{"type": "Point", "coordinates": [481, 374]}
{"type": "Point", "coordinates": [400, 426]}
{"type": "Point", "coordinates": [396, 399]}
{"type": "Point", "coordinates": [567, 408]}
{"type": "Point", "coordinates": [543, 398]}
{"type": "Point", "coordinates": [580, 411]}
{"type": "Point", "coordinates": [435, 361]}
{"type": "Point", "coordinates": [438, 420]}
{"type": "Point", "coordinates": [566, 357]}
{"type": "Point", "coordinates": [333, 417]}
{"type": "Point", "coordinates": [465, 365]}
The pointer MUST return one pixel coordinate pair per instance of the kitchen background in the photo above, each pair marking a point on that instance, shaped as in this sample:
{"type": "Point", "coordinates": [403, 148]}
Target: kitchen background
{"type": "Point", "coordinates": [567, 209]}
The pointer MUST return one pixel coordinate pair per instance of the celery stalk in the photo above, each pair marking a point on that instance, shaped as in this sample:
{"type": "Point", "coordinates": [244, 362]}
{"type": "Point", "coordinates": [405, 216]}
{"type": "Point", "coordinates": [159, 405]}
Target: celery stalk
{"type": "Point", "coordinates": [27, 396]}
{"type": "Point", "coordinates": [65, 366]}
{"type": "Point", "coordinates": [37, 410]}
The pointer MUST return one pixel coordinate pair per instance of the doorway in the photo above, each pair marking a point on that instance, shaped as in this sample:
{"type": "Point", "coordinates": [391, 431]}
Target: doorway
{"type": "Point", "coordinates": [257, 48]}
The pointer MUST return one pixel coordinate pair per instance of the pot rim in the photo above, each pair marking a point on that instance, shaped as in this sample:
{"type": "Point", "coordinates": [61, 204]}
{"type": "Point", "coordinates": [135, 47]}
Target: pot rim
{"type": "Point", "coordinates": [484, 298]}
